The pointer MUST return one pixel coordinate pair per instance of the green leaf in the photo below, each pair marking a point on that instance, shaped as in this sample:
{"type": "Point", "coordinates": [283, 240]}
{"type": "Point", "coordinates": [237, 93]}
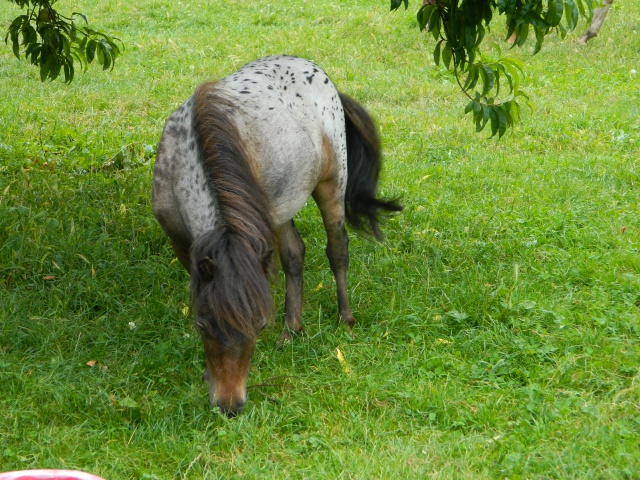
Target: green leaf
{"type": "Point", "coordinates": [534, 19]}
{"type": "Point", "coordinates": [514, 110]}
{"type": "Point", "coordinates": [583, 12]}
{"type": "Point", "coordinates": [482, 117]}
{"type": "Point", "coordinates": [472, 78]}
{"type": "Point", "coordinates": [487, 79]}
{"type": "Point", "coordinates": [469, 107]}
{"type": "Point", "coordinates": [14, 32]}
{"type": "Point", "coordinates": [539, 39]}
{"type": "Point", "coordinates": [105, 52]}
{"type": "Point", "coordinates": [100, 53]}
{"type": "Point", "coordinates": [514, 72]}
{"type": "Point", "coordinates": [436, 52]}
{"type": "Point", "coordinates": [47, 63]}
{"type": "Point", "coordinates": [571, 14]}
{"type": "Point", "coordinates": [495, 122]}
{"type": "Point", "coordinates": [91, 50]}
{"type": "Point", "coordinates": [423, 16]}
{"type": "Point", "coordinates": [29, 35]}
{"type": "Point", "coordinates": [522, 34]}
{"type": "Point", "coordinates": [470, 32]}
{"type": "Point", "coordinates": [447, 53]}
{"type": "Point", "coordinates": [68, 72]}
{"type": "Point", "coordinates": [434, 22]}
{"type": "Point", "coordinates": [66, 46]}
{"type": "Point", "coordinates": [554, 12]}
{"type": "Point", "coordinates": [502, 121]}
{"type": "Point", "coordinates": [81, 15]}
{"type": "Point", "coordinates": [483, 75]}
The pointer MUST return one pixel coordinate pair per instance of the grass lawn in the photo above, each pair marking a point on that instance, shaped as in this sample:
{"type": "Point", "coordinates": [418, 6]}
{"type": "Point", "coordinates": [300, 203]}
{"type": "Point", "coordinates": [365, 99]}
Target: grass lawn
{"type": "Point", "coordinates": [498, 322]}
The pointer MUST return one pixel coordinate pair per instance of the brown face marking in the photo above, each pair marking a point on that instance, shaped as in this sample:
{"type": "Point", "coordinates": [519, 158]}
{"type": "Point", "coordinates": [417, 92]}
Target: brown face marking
{"type": "Point", "coordinates": [228, 367]}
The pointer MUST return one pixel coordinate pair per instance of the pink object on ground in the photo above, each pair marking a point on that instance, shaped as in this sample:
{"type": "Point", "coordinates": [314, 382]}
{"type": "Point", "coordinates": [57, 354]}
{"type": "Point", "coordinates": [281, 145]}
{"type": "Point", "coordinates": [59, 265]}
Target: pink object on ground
{"type": "Point", "coordinates": [48, 475]}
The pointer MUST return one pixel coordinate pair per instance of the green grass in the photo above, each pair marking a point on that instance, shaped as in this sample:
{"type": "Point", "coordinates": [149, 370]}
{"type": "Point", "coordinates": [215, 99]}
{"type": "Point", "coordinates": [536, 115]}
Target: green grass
{"type": "Point", "coordinates": [498, 322]}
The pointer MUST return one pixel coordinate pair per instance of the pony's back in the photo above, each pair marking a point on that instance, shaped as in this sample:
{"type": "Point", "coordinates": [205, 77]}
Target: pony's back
{"type": "Point", "coordinates": [290, 116]}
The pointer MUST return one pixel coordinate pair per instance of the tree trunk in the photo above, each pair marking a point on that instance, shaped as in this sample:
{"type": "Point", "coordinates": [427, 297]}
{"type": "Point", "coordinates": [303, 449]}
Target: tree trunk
{"type": "Point", "coordinates": [596, 23]}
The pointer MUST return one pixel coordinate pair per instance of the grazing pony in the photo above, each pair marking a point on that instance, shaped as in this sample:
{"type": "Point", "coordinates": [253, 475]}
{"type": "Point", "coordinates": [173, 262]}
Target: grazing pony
{"type": "Point", "coordinates": [235, 163]}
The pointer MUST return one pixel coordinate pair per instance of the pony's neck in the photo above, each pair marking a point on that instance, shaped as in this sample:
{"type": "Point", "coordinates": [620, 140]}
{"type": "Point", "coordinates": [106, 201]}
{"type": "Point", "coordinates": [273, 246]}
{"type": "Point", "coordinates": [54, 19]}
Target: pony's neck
{"type": "Point", "coordinates": [242, 206]}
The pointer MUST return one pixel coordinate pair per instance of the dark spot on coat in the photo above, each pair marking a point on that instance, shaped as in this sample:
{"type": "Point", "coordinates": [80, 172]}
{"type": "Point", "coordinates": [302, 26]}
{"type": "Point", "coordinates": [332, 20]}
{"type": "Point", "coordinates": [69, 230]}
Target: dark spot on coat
{"type": "Point", "coordinates": [182, 133]}
{"type": "Point", "coordinates": [310, 79]}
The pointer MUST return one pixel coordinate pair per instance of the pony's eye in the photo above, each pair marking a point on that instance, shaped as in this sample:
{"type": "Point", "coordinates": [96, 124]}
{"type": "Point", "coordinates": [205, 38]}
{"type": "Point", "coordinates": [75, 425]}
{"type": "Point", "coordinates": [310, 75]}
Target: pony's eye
{"type": "Point", "coordinates": [202, 326]}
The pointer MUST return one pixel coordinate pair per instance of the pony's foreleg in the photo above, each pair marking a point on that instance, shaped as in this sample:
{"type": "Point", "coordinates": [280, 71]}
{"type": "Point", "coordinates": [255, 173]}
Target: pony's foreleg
{"type": "Point", "coordinates": [291, 249]}
{"type": "Point", "coordinates": [332, 210]}
{"type": "Point", "coordinates": [182, 254]}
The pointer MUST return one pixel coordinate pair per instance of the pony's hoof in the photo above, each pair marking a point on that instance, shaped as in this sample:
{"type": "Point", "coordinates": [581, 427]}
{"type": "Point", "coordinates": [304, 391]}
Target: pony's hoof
{"type": "Point", "coordinates": [287, 336]}
{"type": "Point", "coordinates": [349, 322]}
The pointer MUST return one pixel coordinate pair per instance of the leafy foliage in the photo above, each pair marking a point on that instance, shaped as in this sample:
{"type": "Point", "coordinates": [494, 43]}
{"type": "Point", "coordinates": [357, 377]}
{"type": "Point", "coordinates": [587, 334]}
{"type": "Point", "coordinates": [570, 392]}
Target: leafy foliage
{"type": "Point", "coordinates": [459, 27]}
{"type": "Point", "coordinates": [54, 41]}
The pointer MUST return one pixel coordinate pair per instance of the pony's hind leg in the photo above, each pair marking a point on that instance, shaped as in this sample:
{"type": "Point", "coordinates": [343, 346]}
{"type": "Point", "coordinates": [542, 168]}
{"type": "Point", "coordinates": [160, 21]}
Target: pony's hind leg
{"type": "Point", "coordinates": [291, 249]}
{"type": "Point", "coordinates": [332, 209]}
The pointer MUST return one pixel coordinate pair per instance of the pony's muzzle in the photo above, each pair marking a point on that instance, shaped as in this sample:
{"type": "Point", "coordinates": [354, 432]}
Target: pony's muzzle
{"type": "Point", "coordinates": [231, 410]}
{"type": "Point", "coordinates": [230, 399]}
{"type": "Point", "coordinates": [230, 407]}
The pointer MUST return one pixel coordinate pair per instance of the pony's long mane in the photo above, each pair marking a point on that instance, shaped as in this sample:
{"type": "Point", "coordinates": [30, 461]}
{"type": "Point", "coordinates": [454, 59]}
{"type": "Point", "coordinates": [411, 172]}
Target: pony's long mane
{"type": "Point", "coordinates": [231, 282]}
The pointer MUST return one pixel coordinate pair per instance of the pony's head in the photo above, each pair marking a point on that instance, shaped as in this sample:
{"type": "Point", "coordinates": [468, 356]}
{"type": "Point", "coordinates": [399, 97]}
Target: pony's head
{"type": "Point", "coordinates": [232, 303]}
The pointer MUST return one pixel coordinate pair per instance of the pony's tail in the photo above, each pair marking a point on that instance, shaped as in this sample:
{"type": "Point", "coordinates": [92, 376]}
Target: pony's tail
{"type": "Point", "coordinates": [364, 210]}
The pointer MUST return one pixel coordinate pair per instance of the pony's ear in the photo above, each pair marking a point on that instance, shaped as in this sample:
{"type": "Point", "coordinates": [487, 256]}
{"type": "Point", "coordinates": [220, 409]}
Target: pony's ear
{"type": "Point", "coordinates": [206, 268]}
